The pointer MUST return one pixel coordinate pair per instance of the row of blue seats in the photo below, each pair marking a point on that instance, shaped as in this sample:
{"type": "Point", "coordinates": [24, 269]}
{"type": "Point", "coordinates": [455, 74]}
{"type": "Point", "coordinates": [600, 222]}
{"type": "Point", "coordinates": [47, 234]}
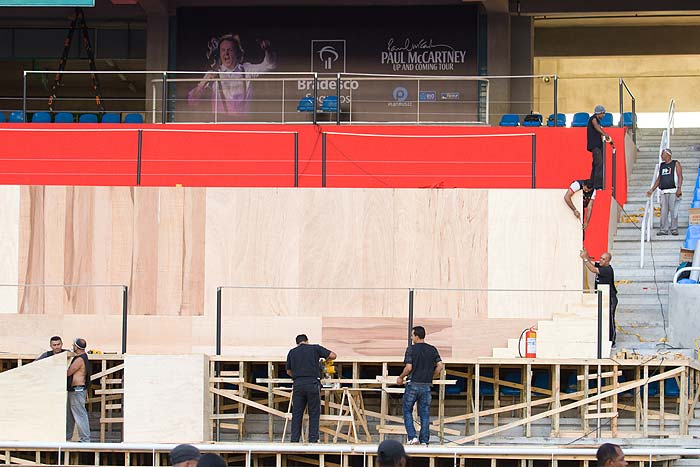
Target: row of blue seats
{"type": "Point", "coordinates": [308, 104]}
{"type": "Point", "coordinates": [692, 235]}
{"type": "Point", "coordinates": [580, 120]}
{"type": "Point", "coordinates": [68, 117]}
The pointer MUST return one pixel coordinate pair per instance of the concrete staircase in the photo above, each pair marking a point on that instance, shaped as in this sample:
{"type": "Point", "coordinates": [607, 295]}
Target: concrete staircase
{"type": "Point", "coordinates": [644, 300]}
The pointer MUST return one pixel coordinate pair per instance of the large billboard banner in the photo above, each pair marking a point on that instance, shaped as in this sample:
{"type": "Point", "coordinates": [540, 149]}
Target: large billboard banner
{"type": "Point", "coordinates": [234, 47]}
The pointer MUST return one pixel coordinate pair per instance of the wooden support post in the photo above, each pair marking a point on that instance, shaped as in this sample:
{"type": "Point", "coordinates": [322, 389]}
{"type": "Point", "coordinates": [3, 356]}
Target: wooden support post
{"type": "Point", "coordinates": [493, 462]}
{"type": "Point", "coordinates": [271, 373]}
{"type": "Point", "coordinates": [645, 404]}
{"type": "Point", "coordinates": [103, 404]}
{"type": "Point", "coordinates": [477, 408]}
{"type": "Point", "coordinates": [528, 398]}
{"type": "Point", "coordinates": [243, 392]}
{"type": "Point", "coordinates": [662, 404]}
{"type": "Point", "coordinates": [584, 409]}
{"type": "Point", "coordinates": [470, 401]}
{"type": "Point", "coordinates": [384, 402]}
{"type": "Point", "coordinates": [441, 408]}
{"type": "Point", "coordinates": [615, 384]}
{"type": "Point", "coordinates": [683, 402]}
{"type": "Point", "coordinates": [496, 392]}
{"type": "Point", "coordinates": [637, 402]}
{"type": "Point", "coordinates": [556, 392]}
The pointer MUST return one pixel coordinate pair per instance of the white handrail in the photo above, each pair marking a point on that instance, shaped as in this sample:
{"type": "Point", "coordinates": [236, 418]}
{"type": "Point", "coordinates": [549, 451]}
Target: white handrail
{"type": "Point", "coordinates": [682, 270]}
{"type": "Point", "coordinates": [648, 216]}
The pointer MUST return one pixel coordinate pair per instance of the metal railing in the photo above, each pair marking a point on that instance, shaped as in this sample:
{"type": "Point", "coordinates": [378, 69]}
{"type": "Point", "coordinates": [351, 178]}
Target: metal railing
{"type": "Point", "coordinates": [624, 88]}
{"type": "Point", "coordinates": [695, 275]}
{"type": "Point", "coordinates": [167, 97]}
{"type": "Point", "coordinates": [648, 217]}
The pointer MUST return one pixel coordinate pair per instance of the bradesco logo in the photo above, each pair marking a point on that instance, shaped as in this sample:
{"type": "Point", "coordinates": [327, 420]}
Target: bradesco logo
{"type": "Point", "coordinates": [328, 84]}
{"type": "Point", "coordinates": [328, 56]}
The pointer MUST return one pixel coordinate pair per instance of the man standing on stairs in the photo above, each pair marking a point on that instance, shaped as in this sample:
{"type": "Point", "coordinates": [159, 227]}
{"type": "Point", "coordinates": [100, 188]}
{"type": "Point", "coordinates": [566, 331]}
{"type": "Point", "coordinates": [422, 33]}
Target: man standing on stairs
{"type": "Point", "coordinates": [595, 136]}
{"type": "Point", "coordinates": [669, 180]}
{"type": "Point", "coordinates": [605, 275]}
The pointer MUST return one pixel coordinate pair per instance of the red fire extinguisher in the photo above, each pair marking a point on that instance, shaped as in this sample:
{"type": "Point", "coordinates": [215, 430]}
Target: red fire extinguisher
{"type": "Point", "coordinates": [530, 342]}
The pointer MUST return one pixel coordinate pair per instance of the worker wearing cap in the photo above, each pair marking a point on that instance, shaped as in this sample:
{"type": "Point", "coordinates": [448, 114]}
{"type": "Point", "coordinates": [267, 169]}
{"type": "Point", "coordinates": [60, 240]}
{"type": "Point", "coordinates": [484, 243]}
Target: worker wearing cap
{"type": "Point", "coordinates": [391, 453]}
{"type": "Point", "coordinates": [184, 455]}
{"type": "Point", "coordinates": [595, 136]}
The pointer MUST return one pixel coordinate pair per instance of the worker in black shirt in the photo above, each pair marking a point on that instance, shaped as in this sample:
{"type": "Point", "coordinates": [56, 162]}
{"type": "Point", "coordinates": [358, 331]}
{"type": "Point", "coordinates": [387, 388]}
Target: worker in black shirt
{"type": "Point", "coordinates": [56, 344]}
{"type": "Point", "coordinates": [594, 137]}
{"type": "Point", "coordinates": [302, 366]}
{"type": "Point", "coordinates": [604, 275]}
{"type": "Point", "coordinates": [588, 197]}
{"type": "Point", "coordinates": [423, 363]}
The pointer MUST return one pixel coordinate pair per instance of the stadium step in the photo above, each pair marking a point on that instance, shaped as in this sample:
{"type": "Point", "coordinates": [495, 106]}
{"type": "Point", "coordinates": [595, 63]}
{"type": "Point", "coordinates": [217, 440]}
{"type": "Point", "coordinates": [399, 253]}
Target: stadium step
{"type": "Point", "coordinates": [643, 292]}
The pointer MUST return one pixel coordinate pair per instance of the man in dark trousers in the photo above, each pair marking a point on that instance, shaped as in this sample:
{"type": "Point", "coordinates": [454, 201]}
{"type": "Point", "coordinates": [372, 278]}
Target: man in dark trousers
{"type": "Point", "coordinates": [303, 367]}
{"type": "Point", "coordinates": [604, 274]}
{"type": "Point", "coordinates": [610, 455]}
{"type": "Point", "coordinates": [595, 136]}
{"type": "Point", "coordinates": [669, 180]}
{"type": "Point", "coordinates": [423, 363]}
{"type": "Point", "coordinates": [78, 384]}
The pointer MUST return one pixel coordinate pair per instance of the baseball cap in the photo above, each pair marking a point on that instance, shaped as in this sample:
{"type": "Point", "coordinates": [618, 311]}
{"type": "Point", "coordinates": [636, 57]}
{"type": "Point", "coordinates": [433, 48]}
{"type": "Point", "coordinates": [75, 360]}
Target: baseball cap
{"type": "Point", "coordinates": [184, 453]}
{"type": "Point", "coordinates": [390, 452]}
{"type": "Point", "coordinates": [599, 109]}
{"type": "Point", "coordinates": [668, 150]}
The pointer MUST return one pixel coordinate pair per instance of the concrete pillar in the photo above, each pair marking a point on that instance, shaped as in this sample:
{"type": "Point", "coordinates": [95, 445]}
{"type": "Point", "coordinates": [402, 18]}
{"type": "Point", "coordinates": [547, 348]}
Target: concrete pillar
{"type": "Point", "coordinates": [157, 40]}
{"type": "Point", "coordinates": [498, 57]}
{"type": "Point", "coordinates": [521, 63]}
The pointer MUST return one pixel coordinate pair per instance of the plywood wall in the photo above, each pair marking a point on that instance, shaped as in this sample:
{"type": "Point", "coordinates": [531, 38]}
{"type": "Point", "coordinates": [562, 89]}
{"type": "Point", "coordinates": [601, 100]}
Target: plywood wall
{"type": "Point", "coordinates": [33, 404]}
{"type": "Point", "coordinates": [334, 264]}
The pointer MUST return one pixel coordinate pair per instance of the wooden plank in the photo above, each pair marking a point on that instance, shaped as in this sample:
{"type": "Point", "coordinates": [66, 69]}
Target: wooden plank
{"type": "Point", "coordinates": [233, 396]}
{"type": "Point", "coordinates": [107, 372]}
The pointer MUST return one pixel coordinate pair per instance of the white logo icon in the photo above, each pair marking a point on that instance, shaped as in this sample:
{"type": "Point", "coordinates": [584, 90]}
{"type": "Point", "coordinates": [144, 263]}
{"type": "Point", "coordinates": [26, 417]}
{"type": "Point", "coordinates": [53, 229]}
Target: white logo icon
{"type": "Point", "coordinates": [328, 55]}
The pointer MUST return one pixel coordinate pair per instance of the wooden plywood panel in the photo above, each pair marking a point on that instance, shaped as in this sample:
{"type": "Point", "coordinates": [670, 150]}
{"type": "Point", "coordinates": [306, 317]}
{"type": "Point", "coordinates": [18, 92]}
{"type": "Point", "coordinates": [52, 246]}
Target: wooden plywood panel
{"type": "Point", "coordinates": [382, 337]}
{"type": "Point", "coordinates": [9, 247]}
{"type": "Point", "coordinates": [534, 243]}
{"type": "Point", "coordinates": [31, 247]}
{"type": "Point", "coordinates": [478, 338]}
{"type": "Point", "coordinates": [33, 404]}
{"type": "Point", "coordinates": [165, 399]}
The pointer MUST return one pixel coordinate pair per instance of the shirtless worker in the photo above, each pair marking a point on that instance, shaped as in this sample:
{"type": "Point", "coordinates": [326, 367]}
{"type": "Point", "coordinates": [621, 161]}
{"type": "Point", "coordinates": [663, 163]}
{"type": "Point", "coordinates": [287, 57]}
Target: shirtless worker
{"type": "Point", "coordinates": [78, 383]}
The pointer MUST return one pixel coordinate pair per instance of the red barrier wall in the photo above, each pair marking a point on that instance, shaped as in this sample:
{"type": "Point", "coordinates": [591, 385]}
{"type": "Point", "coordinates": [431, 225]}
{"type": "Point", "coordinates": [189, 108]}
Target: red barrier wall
{"type": "Point", "coordinates": [263, 156]}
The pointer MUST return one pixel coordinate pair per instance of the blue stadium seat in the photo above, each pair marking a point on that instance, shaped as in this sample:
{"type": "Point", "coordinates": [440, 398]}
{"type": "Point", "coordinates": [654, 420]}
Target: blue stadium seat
{"type": "Point", "coordinates": [306, 104]}
{"type": "Point", "coordinates": [509, 120]}
{"type": "Point", "coordinates": [41, 117]}
{"type": "Point", "coordinates": [133, 118]}
{"type": "Point", "coordinates": [532, 119]}
{"type": "Point", "coordinates": [64, 117]}
{"type": "Point", "coordinates": [607, 120]}
{"type": "Point", "coordinates": [512, 375]}
{"type": "Point", "coordinates": [2, 117]}
{"type": "Point", "coordinates": [330, 104]}
{"type": "Point", "coordinates": [16, 117]}
{"type": "Point", "coordinates": [695, 204]}
{"type": "Point", "coordinates": [580, 119]}
{"type": "Point", "coordinates": [627, 119]}
{"type": "Point", "coordinates": [457, 388]}
{"type": "Point", "coordinates": [696, 194]}
{"type": "Point", "coordinates": [691, 237]}
{"type": "Point", "coordinates": [671, 388]}
{"type": "Point", "coordinates": [111, 118]}
{"type": "Point", "coordinates": [87, 118]}
{"type": "Point", "coordinates": [486, 389]}
{"type": "Point", "coordinates": [540, 380]}
{"type": "Point", "coordinates": [687, 281]}
{"type": "Point", "coordinates": [561, 120]}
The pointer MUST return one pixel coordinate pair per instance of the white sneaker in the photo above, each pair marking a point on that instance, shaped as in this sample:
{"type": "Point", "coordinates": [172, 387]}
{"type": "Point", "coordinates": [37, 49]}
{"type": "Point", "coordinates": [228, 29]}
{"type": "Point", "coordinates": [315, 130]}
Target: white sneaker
{"type": "Point", "coordinates": [413, 442]}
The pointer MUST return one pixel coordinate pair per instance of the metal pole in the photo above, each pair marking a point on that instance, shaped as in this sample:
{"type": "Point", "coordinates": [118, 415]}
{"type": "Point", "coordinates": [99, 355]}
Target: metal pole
{"type": "Point", "coordinates": [600, 323]}
{"type": "Point", "coordinates": [315, 97]}
{"type": "Point", "coordinates": [164, 110]}
{"type": "Point", "coordinates": [634, 121]}
{"type": "Point", "coordinates": [138, 158]}
{"type": "Point", "coordinates": [614, 171]}
{"type": "Point", "coordinates": [622, 98]}
{"type": "Point", "coordinates": [296, 160]}
{"type": "Point", "coordinates": [603, 151]}
{"type": "Point", "coordinates": [556, 95]}
{"type": "Point", "coordinates": [410, 315]}
{"type": "Point", "coordinates": [323, 160]}
{"type": "Point", "coordinates": [534, 161]}
{"type": "Point", "coordinates": [125, 314]}
{"type": "Point", "coordinates": [337, 94]}
{"type": "Point", "coordinates": [218, 321]}
{"type": "Point", "coordinates": [24, 97]}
